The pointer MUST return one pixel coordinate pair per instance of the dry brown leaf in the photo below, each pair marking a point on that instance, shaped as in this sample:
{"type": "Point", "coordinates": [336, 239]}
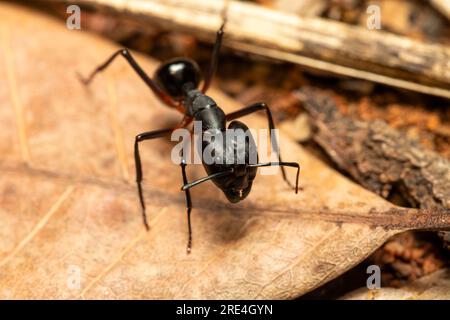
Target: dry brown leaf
{"type": "Point", "coordinates": [435, 286]}
{"type": "Point", "coordinates": [68, 202]}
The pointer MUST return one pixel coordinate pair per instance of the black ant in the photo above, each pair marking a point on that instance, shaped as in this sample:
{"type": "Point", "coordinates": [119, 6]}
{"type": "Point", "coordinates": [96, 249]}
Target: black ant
{"type": "Point", "coordinates": [175, 83]}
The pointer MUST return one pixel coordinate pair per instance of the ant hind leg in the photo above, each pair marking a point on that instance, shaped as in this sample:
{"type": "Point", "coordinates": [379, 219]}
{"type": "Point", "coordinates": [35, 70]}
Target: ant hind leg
{"type": "Point", "coordinates": [164, 97]}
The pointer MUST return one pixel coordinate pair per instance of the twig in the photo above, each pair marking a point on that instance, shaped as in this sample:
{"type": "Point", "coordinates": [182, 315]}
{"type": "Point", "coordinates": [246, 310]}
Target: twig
{"type": "Point", "coordinates": [312, 42]}
{"type": "Point", "coordinates": [443, 6]}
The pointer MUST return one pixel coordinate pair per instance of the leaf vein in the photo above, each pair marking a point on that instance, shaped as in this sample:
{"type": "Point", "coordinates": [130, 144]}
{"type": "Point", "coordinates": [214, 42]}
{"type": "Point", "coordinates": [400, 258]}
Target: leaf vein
{"type": "Point", "coordinates": [53, 209]}
{"type": "Point", "coordinates": [127, 249]}
{"type": "Point", "coordinates": [14, 93]}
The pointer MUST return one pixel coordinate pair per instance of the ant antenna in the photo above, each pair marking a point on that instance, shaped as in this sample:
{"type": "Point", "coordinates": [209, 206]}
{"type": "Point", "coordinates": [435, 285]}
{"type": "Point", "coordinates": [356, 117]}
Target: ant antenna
{"type": "Point", "coordinates": [285, 164]}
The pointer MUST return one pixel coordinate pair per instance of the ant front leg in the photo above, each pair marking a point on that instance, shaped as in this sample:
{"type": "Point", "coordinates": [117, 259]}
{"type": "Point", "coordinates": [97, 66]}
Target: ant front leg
{"type": "Point", "coordinates": [137, 158]}
{"type": "Point", "coordinates": [137, 162]}
{"type": "Point", "coordinates": [164, 97]}
{"type": "Point", "coordinates": [188, 201]}
{"type": "Point", "coordinates": [254, 108]}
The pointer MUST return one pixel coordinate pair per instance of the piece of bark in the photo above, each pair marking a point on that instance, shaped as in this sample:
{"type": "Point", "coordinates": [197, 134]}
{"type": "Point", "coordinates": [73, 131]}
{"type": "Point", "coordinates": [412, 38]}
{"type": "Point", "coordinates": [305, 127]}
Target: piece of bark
{"type": "Point", "coordinates": [379, 157]}
{"type": "Point", "coordinates": [316, 43]}
{"type": "Point", "coordinates": [70, 219]}
{"type": "Point", "coordinates": [443, 6]}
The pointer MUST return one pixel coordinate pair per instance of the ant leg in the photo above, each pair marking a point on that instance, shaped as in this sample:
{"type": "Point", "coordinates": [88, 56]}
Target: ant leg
{"type": "Point", "coordinates": [164, 97]}
{"type": "Point", "coordinates": [137, 158]}
{"type": "Point", "coordinates": [257, 107]}
{"type": "Point", "coordinates": [214, 59]}
{"type": "Point", "coordinates": [137, 161]}
{"type": "Point", "coordinates": [188, 202]}
{"type": "Point", "coordinates": [281, 164]}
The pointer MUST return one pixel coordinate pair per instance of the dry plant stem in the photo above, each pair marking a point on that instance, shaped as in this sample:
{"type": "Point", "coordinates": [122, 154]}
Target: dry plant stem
{"type": "Point", "coordinates": [443, 6]}
{"type": "Point", "coordinates": [312, 42]}
{"type": "Point", "coordinates": [379, 157]}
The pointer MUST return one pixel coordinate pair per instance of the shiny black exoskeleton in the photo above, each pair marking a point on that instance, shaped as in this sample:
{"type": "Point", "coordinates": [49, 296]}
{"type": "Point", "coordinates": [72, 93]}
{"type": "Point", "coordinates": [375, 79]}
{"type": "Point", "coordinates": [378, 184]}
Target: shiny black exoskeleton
{"type": "Point", "coordinates": [237, 184]}
{"type": "Point", "coordinates": [176, 83]}
{"type": "Point", "coordinates": [180, 78]}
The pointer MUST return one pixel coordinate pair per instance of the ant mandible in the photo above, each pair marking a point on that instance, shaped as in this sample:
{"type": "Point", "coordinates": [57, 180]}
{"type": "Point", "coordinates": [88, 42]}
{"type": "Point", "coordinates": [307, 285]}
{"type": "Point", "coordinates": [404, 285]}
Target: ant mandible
{"type": "Point", "coordinates": [175, 83]}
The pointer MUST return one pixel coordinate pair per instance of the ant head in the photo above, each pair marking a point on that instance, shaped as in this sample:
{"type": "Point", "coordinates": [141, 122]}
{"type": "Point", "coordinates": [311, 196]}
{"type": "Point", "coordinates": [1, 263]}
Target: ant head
{"type": "Point", "coordinates": [239, 183]}
{"type": "Point", "coordinates": [237, 154]}
{"type": "Point", "coordinates": [172, 75]}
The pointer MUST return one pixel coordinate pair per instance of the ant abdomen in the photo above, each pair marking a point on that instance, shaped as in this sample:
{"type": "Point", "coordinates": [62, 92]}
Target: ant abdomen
{"type": "Point", "coordinates": [172, 75]}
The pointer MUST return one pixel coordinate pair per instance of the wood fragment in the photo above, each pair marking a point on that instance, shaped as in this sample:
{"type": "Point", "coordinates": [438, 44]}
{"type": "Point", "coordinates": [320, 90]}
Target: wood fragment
{"type": "Point", "coordinates": [312, 42]}
{"type": "Point", "coordinates": [443, 6]}
{"type": "Point", "coordinates": [379, 157]}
